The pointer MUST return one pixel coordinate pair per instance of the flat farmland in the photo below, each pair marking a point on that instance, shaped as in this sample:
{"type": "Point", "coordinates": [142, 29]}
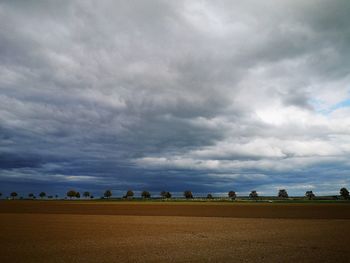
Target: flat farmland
{"type": "Point", "coordinates": [68, 231]}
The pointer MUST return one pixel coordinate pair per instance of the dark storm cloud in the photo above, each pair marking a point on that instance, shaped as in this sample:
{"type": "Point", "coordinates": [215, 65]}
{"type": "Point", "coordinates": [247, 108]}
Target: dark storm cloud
{"type": "Point", "coordinates": [8, 161]}
{"type": "Point", "coordinates": [185, 94]}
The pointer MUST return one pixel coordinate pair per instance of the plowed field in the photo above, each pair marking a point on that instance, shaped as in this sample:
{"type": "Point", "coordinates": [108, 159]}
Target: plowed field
{"type": "Point", "coordinates": [63, 231]}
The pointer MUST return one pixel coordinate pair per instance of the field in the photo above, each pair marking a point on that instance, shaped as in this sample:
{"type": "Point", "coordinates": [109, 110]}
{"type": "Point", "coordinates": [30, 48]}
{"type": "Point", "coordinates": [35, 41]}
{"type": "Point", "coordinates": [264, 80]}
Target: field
{"type": "Point", "coordinates": [68, 231]}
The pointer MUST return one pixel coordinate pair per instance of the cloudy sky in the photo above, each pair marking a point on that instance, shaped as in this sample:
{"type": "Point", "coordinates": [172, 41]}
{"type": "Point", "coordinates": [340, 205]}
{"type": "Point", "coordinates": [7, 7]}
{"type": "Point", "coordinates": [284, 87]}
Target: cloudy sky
{"type": "Point", "coordinates": [210, 96]}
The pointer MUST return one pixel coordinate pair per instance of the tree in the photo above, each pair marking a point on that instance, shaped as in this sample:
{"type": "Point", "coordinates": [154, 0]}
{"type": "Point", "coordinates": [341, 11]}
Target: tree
{"type": "Point", "coordinates": [163, 194]}
{"type": "Point", "coordinates": [167, 195]}
{"type": "Point", "coordinates": [209, 196]}
{"type": "Point", "coordinates": [129, 194]}
{"type": "Point", "coordinates": [86, 194]}
{"type": "Point", "coordinates": [13, 195]}
{"type": "Point", "coordinates": [188, 194]}
{"type": "Point", "coordinates": [107, 194]}
{"type": "Point", "coordinates": [77, 195]}
{"type": "Point", "coordinates": [0, 194]}
{"type": "Point", "coordinates": [253, 195]}
{"type": "Point", "coordinates": [56, 196]}
{"type": "Point", "coordinates": [42, 194]}
{"type": "Point", "coordinates": [310, 195]}
{"type": "Point", "coordinates": [146, 194]}
{"type": "Point", "coordinates": [232, 195]}
{"type": "Point", "coordinates": [31, 195]}
{"type": "Point", "coordinates": [344, 193]}
{"type": "Point", "coordinates": [71, 193]}
{"type": "Point", "coordinates": [282, 193]}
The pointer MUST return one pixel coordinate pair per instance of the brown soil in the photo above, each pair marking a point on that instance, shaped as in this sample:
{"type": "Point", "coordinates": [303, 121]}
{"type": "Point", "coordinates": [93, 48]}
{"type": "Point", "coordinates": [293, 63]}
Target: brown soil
{"type": "Point", "coordinates": [205, 209]}
{"type": "Point", "coordinates": [78, 234]}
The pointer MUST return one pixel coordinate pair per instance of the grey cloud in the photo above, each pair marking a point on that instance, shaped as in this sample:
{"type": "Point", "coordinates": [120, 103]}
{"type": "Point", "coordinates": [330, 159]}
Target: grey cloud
{"type": "Point", "coordinates": [94, 89]}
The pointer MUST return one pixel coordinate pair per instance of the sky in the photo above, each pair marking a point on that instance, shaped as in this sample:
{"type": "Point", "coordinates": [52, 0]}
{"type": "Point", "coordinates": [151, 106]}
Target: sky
{"type": "Point", "coordinates": [210, 96]}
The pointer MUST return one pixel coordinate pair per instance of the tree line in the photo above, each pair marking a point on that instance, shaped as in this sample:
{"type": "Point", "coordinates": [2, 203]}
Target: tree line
{"type": "Point", "coordinates": [282, 193]}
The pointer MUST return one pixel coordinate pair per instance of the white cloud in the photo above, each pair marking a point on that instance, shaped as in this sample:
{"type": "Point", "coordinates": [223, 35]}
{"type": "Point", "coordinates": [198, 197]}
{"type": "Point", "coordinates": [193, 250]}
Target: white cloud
{"type": "Point", "coordinates": [114, 88]}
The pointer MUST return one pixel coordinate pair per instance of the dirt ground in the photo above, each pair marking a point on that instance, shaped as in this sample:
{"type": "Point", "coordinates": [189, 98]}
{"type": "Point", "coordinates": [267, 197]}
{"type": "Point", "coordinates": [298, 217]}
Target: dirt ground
{"type": "Point", "coordinates": [200, 209]}
{"type": "Point", "coordinates": [73, 232]}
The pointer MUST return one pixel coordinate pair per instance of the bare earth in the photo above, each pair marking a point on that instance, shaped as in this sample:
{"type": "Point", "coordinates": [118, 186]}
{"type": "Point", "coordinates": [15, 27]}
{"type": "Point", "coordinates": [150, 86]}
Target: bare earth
{"type": "Point", "coordinates": [134, 232]}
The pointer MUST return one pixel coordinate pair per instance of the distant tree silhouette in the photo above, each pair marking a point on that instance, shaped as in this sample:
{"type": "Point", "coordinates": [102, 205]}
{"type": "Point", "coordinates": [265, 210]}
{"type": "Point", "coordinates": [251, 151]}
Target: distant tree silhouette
{"type": "Point", "coordinates": [31, 195]}
{"type": "Point", "coordinates": [0, 194]}
{"type": "Point", "coordinates": [209, 196]}
{"type": "Point", "coordinates": [107, 194]}
{"type": "Point", "coordinates": [91, 197]}
{"type": "Point", "coordinates": [56, 196]}
{"type": "Point", "coordinates": [344, 193]}
{"type": "Point", "coordinates": [129, 194]}
{"type": "Point", "coordinates": [71, 193]}
{"type": "Point", "coordinates": [163, 194]}
{"type": "Point", "coordinates": [232, 195]}
{"type": "Point", "coordinates": [282, 193]}
{"type": "Point", "coordinates": [145, 194]}
{"type": "Point", "coordinates": [77, 195]}
{"type": "Point", "coordinates": [310, 195]}
{"type": "Point", "coordinates": [86, 194]}
{"type": "Point", "coordinates": [188, 194]}
{"type": "Point", "coordinates": [253, 195]}
{"type": "Point", "coordinates": [13, 195]}
{"type": "Point", "coordinates": [42, 194]}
